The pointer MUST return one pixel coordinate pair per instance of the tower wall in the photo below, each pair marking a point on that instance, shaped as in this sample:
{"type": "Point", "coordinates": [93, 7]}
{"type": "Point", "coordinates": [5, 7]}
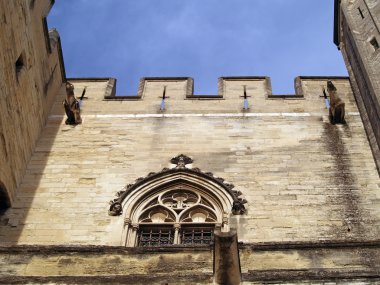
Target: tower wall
{"type": "Point", "coordinates": [312, 187]}
{"type": "Point", "coordinates": [31, 74]}
{"type": "Point", "coordinates": [357, 34]}
{"type": "Point", "coordinates": [303, 178]}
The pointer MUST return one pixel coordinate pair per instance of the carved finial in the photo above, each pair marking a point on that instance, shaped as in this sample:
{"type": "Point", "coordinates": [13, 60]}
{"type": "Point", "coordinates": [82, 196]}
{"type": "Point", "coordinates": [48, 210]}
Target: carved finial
{"type": "Point", "coordinates": [181, 161]}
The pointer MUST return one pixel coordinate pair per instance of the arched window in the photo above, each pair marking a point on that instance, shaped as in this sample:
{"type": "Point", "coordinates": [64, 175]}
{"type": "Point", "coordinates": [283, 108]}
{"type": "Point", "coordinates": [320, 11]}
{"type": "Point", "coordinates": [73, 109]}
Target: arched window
{"type": "Point", "coordinates": [177, 216]}
{"type": "Point", "coordinates": [177, 206]}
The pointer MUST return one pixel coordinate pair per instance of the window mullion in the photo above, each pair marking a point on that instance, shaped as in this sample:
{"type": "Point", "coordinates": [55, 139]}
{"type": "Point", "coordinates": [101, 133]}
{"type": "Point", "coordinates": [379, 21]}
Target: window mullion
{"type": "Point", "coordinates": [176, 234]}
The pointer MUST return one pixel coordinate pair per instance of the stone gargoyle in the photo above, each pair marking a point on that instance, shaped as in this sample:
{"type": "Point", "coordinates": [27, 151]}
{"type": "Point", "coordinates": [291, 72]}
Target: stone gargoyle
{"type": "Point", "coordinates": [72, 106]}
{"type": "Point", "coordinates": [337, 106]}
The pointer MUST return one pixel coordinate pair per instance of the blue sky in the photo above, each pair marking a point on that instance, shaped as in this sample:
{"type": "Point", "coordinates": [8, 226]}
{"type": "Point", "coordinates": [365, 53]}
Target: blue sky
{"type": "Point", "coordinates": [203, 39]}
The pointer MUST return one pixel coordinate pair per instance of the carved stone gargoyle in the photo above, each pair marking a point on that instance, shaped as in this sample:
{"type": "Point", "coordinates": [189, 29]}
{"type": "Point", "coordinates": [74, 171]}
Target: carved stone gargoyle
{"type": "Point", "coordinates": [72, 107]}
{"type": "Point", "coordinates": [336, 110]}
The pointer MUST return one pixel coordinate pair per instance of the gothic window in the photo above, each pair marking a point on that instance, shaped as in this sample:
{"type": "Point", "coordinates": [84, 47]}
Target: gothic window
{"type": "Point", "coordinates": [176, 217]}
{"type": "Point", "coordinates": [177, 206]}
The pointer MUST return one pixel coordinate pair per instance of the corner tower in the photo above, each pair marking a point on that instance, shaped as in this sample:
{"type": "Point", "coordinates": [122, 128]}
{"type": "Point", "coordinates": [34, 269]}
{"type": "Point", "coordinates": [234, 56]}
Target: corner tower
{"type": "Point", "coordinates": [357, 35]}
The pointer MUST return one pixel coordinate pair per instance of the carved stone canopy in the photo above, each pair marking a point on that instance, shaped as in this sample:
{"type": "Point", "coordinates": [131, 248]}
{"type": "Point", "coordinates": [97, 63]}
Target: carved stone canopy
{"type": "Point", "coordinates": [180, 161]}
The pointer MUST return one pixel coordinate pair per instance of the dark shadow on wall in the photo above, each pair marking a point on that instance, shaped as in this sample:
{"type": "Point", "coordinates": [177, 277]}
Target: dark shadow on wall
{"type": "Point", "coordinates": [4, 200]}
{"type": "Point", "coordinates": [13, 216]}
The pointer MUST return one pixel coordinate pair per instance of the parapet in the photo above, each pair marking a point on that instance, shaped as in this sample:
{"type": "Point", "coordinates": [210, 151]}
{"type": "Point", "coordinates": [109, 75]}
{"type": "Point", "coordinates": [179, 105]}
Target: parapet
{"type": "Point", "coordinates": [243, 94]}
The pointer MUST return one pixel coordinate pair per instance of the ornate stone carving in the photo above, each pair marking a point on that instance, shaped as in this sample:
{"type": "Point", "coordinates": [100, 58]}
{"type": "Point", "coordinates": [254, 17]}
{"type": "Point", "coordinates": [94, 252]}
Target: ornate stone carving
{"type": "Point", "coordinates": [221, 180]}
{"type": "Point", "coordinates": [72, 106]}
{"type": "Point", "coordinates": [336, 110]}
{"type": "Point", "coordinates": [196, 169]}
{"type": "Point", "coordinates": [181, 161]}
{"type": "Point", "coordinates": [238, 207]}
{"type": "Point", "coordinates": [230, 186]}
{"type": "Point", "coordinates": [116, 208]}
{"type": "Point", "coordinates": [139, 179]}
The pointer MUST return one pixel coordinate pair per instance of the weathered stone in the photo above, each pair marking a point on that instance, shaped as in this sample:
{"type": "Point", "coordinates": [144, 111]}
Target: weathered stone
{"type": "Point", "coordinates": [310, 189]}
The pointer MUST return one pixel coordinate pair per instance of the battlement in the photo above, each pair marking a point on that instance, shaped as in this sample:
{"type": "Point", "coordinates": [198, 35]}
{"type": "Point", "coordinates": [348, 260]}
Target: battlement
{"type": "Point", "coordinates": [248, 94]}
{"type": "Point", "coordinates": [227, 86]}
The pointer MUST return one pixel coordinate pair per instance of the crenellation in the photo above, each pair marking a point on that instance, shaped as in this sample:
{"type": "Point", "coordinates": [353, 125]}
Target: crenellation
{"type": "Point", "coordinates": [230, 100]}
{"type": "Point", "coordinates": [302, 194]}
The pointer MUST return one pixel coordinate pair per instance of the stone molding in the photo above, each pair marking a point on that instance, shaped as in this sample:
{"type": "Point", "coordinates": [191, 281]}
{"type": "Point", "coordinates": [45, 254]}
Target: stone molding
{"type": "Point", "coordinates": [181, 161]}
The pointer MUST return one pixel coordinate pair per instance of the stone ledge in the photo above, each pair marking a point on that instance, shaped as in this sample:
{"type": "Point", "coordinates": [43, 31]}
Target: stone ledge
{"type": "Point", "coordinates": [328, 244]}
{"type": "Point", "coordinates": [44, 249]}
{"type": "Point", "coordinates": [265, 246]}
{"type": "Point", "coordinates": [321, 275]}
{"type": "Point", "coordinates": [177, 278]}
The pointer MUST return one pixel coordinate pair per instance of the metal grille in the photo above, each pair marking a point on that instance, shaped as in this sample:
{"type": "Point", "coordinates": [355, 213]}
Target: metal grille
{"type": "Point", "coordinates": [197, 236]}
{"type": "Point", "coordinates": [155, 236]}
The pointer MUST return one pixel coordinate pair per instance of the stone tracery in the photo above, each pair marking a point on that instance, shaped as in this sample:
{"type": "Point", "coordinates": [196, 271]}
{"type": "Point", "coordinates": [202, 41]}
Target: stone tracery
{"type": "Point", "coordinates": [181, 161]}
{"type": "Point", "coordinates": [180, 205]}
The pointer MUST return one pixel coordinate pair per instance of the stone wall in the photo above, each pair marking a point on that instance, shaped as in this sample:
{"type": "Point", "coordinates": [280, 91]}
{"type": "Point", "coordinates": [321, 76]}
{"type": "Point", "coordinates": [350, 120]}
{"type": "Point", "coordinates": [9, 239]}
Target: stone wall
{"type": "Point", "coordinates": [312, 187]}
{"type": "Point", "coordinates": [304, 179]}
{"type": "Point", "coordinates": [31, 74]}
{"type": "Point", "coordinates": [359, 27]}
{"type": "Point", "coordinates": [318, 263]}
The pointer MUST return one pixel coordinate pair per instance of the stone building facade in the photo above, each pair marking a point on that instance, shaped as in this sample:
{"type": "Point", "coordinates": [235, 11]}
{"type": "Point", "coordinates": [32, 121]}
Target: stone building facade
{"type": "Point", "coordinates": [134, 193]}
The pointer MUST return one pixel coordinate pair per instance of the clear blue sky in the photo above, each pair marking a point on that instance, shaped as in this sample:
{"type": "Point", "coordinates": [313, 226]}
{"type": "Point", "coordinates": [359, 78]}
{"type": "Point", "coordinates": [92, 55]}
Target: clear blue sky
{"type": "Point", "coordinates": [203, 39]}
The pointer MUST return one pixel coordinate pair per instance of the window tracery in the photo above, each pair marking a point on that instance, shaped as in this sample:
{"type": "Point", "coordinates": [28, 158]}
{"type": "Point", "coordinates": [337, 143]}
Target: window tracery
{"type": "Point", "coordinates": [176, 206]}
{"type": "Point", "coordinates": [177, 217]}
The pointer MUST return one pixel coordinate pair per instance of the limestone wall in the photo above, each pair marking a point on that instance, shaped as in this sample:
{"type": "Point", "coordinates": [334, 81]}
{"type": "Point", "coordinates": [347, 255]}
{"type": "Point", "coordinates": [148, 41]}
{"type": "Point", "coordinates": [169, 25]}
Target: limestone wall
{"type": "Point", "coordinates": [312, 188]}
{"type": "Point", "coordinates": [360, 37]}
{"type": "Point", "coordinates": [304, 179]}
{"type": "Point", "coordinates": [30, 77]}
{"type": "Point", "coordinates": [312, 264]}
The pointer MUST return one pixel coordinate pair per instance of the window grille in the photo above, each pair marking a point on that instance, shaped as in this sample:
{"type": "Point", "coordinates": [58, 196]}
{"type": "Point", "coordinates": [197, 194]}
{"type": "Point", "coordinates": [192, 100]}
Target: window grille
{"type": "Point", "coordinates": [192, 212]}
{"type": "Point", "coordinates": [155, 237]}
{"type": "Point", "coordinates": [197, 235]}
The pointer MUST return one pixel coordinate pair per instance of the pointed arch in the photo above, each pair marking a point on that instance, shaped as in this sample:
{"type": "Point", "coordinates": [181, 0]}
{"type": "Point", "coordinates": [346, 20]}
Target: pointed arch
{"type": "Point", "coordinates": [175, 205]}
